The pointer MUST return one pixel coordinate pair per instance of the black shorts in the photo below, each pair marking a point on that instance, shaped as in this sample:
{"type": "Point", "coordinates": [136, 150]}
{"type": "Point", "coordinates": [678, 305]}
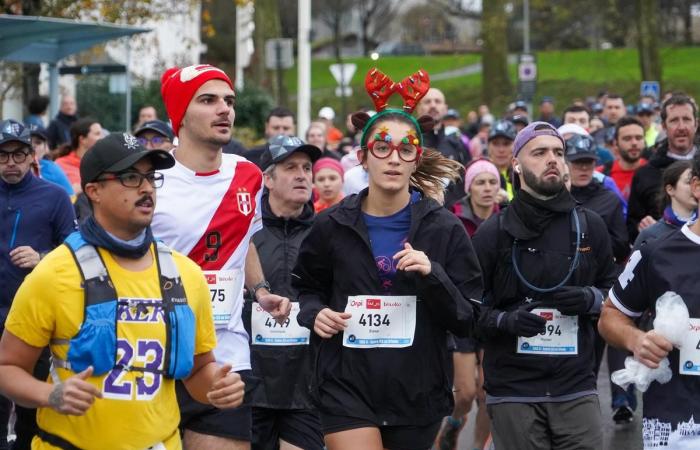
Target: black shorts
{"type": "Point", "coordinates": [299, 427]}
{"type": "Point", "coordinates": [401, 437]}
{"type": "Point", "coordinates": [205, 419]}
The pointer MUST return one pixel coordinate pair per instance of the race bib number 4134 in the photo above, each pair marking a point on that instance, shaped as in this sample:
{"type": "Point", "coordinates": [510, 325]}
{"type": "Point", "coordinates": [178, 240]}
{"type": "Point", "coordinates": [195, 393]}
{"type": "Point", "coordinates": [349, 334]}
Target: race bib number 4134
{"type": "Point", "coordinates": [380, 321]}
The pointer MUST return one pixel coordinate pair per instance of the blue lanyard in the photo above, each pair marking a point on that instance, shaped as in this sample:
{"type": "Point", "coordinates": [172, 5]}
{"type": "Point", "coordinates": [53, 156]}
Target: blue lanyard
{"type": "Point", "coordinates": [572, 267]}
{"type": "Point", "coordinates": [14, 229]}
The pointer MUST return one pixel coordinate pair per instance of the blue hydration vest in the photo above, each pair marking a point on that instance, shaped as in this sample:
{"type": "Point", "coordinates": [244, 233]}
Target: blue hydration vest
{"type": "Point", "coordinates": [96, 342]}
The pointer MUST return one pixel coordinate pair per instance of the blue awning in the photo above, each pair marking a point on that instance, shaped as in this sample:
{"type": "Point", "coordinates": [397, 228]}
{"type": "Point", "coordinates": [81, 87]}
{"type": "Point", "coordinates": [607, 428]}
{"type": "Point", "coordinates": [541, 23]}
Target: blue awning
{"type": "Point", "coordinates": [32, 39]}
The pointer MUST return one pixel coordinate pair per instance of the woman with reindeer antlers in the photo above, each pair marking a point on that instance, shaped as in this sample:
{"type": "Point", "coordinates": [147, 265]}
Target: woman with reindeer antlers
{"type": "Point", "coordinates": [382, 277]}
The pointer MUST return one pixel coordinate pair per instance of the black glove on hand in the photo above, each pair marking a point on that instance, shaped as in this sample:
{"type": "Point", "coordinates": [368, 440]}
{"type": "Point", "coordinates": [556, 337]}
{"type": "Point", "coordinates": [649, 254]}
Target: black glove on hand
{"type": "Point", "coordinates": [573, 300]}
{"type": "Point", "coordinates": [521, 323]}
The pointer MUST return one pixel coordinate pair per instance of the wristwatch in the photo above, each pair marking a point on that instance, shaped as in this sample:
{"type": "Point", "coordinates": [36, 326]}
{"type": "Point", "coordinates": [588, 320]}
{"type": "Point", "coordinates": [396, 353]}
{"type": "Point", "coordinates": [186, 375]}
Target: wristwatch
{"type": "Point", "coordinates": [262, 284]}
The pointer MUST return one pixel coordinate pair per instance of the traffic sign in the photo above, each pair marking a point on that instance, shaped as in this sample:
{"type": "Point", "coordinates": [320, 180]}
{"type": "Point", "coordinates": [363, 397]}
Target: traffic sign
{"type": "Point", "coordinates": [527, 68]}
{"type": "Point", "coordinates": [279, 54]}
{"type": "Point", "coordinates": [343, 73]}
{"type": "Point", "coordinates": [650, 89]}
{"type": "Point", "coordinates": [344, 91]}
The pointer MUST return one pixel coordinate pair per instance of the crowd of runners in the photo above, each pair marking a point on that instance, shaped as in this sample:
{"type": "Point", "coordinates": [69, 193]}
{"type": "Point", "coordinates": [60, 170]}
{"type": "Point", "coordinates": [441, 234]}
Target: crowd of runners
{"type": "Point", "coordinates": [362, 286]}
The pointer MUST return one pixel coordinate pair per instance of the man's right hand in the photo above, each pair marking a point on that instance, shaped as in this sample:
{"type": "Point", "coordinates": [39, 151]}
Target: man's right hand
{"type": "Point", "coordinates": [329, 323]}
{"type": "Point", "coordinates": [74, 396]}
{"type": "Point", "coordinates": [522, 322]}
{"type": "Point", "coordinates": [650, 348]}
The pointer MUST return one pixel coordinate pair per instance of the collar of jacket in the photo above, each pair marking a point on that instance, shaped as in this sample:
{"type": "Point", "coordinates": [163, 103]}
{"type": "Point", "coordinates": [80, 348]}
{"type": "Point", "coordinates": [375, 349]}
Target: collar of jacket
{"type": "Point", "coordinates": [349, 213]}
{"type": "Point", "coordinates": [271, 220]}
{"type": "Point", "coordinates": [581, 193]}
{"type": "Point", "coordinates": [16, 187]}
{"type": "Point", "coordinates": [660, 158]}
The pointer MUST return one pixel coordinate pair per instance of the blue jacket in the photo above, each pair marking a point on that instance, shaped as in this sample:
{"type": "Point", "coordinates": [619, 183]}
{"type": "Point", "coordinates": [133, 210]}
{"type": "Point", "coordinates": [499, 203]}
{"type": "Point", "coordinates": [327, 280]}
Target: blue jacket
{"type": "Point", "coordinates": [33, 212]}
{"type": "Point", "coordinates": [50, 171]}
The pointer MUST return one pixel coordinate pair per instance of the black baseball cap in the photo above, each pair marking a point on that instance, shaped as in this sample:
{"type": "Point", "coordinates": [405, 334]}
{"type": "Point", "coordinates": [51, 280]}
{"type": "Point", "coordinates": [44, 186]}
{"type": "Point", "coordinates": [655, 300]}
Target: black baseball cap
{"type": "Point", "coordinates": [579, 147]}
{"type": "Point", "coordinates": [38, 131]}
{"type": "Point", "coordinates": [451, 114]}
{"type": "Point", "coordinates": [13, 131]}
{"type": "Point", "coordinates": [502, 128]}
{"type": "Point", "coordinates": [521, 119]}
{"type": "Point", "coordinates": [116, 153]}
{"type": "Point", "coordinates": [520, 104]}
{"type": "Point", "coordinates": [645, 108]}
{"type": "Point", "coordinates": [157, 126]}
{"type": "Point", "coordinates": [281, 147]}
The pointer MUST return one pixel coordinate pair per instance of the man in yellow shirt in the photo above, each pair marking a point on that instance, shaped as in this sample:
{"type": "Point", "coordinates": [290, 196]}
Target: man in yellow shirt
{"type": "Point", "coordinates": [124, 317]}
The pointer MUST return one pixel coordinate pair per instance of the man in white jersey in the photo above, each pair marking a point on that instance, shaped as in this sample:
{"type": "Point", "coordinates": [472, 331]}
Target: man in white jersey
{"type": "Point", "coordinates": [209, 209]}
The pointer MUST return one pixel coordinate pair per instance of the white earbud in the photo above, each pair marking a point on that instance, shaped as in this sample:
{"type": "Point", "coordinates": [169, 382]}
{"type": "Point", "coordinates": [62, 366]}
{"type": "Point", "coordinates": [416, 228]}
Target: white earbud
{"type": "Point", "coordinates": [517, 169]}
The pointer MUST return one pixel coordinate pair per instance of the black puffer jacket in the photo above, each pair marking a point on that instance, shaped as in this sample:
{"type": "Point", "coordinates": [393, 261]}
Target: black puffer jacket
{"type": "Point", "coordinates": [646, 184]}
{"type": "Point", "coordinates": [603, 201]}
{"type": "Point", "coordinates": [397, 386]}
{"type": "Point", "coordinates": [283, 370]}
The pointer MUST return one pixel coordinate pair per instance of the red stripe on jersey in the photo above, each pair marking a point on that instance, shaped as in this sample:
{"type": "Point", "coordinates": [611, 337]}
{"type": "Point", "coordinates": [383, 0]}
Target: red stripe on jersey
{"type": "Point", "coordinates": [231, 221]}
{"type": "Point", "coordinates": [206, 174]}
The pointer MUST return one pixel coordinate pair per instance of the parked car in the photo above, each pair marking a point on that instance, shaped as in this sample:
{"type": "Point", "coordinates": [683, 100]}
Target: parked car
{"type": "Point", "coordinates": [397, 48]}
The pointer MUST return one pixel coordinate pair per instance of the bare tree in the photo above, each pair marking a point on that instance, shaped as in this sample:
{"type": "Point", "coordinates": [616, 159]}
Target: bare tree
{"type": "Point", "coordinates": [373, 13]}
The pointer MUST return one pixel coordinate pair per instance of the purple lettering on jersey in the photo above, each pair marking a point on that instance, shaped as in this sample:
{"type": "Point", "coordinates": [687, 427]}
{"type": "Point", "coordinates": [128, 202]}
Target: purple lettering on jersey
{"type": "Point", "coordinates": [113, 387]}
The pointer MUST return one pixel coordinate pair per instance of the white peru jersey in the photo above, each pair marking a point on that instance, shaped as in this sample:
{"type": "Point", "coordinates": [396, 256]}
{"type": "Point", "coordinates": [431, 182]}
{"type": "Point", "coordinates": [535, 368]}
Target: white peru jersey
{"type": "Point", "coordinates": [210, 217]}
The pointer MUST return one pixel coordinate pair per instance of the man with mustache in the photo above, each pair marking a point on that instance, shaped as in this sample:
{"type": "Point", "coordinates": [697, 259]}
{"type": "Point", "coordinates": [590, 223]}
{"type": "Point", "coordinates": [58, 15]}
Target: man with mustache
{"type": "Point", "coordinates": [209, 209]}
{"type": "Point", "coordinates": [547, 265]}
{"type": "Point", "coordinates": [433, 104]}
{"type": "Point", "coordinates": [124, 317]}
{"type": "Point", "coordinates": [679, 121]}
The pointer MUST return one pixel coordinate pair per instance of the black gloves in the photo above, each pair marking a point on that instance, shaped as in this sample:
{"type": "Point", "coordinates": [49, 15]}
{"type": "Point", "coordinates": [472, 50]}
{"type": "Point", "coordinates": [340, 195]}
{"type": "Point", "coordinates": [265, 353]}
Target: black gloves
{"type": "Point", "coordinates": [573, 300]}
{"type": "Point", "coordinates": [521, 322]}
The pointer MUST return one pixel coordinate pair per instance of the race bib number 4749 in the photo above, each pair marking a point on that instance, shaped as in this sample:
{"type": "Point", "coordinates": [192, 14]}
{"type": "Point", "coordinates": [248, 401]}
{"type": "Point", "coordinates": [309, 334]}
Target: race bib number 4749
{"type": "Point", "coordinates": [380, 321]}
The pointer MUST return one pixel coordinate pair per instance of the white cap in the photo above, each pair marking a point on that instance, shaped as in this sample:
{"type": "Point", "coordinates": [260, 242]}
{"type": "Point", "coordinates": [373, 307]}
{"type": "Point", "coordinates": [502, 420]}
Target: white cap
{"type": "Point", "coordinates": [326, 113]}
{"type": "Point", "coordinates": [572, 128]}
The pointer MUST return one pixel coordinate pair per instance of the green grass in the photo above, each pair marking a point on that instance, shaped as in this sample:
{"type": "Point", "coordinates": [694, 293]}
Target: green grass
{"type": "Point", "coordinates": [564, 75]}
{"type": "Point", "coordinates": [397, 67]}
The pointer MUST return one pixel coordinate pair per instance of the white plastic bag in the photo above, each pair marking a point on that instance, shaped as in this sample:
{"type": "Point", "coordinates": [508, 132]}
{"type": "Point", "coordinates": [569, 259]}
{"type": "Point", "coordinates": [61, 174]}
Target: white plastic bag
{"type": "Point", "coordinates": [672, 322]}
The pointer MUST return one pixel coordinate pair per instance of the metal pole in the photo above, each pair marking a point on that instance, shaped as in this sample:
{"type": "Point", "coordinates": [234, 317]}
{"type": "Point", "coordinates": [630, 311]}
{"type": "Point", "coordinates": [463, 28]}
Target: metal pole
{"type": "Point", "coordinates": [304, 68]}
{"type": "Point", "coordinates": [127, 75]}
{"type": "Point", "coordinates": [526, 26]}
{"type": "Point", "coordinates": [53, 90]}
{"type": "Point", "coordinates": [240, 48]}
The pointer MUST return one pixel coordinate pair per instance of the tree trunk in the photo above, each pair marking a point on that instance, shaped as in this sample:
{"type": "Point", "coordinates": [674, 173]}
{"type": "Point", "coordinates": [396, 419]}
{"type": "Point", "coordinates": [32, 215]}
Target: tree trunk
{"type": "Point", "coordinates": [647, 26]}
{"type": "Point", "coordinates": [687, 23]}
{"type": "Point", "coordinates": [495, 81]}
{"type": "Point", "coordinates": [267, 26]}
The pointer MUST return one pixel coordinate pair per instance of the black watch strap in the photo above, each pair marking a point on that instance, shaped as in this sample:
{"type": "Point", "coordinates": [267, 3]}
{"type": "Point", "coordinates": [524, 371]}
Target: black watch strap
{"type": "Point", "coordinates": [262, 284]}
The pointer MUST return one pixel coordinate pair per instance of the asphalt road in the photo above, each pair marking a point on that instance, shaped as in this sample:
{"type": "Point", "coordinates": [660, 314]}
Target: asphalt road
{"type": "Point", "coordinates": [615, 437]}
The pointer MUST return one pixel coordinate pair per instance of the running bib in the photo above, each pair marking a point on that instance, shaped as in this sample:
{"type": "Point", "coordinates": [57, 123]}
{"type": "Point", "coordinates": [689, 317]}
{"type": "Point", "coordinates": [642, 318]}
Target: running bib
{"type": "Point", "coordinates": [689, 359]}
{"type": "Point", "coordinates": [266, 331]}
{"type": "Point", "coordinates": [224, 286]}
{"type": "Point", "coordinates": [560, 336]}
{"type": "Point", "coordinates": [380, 321]}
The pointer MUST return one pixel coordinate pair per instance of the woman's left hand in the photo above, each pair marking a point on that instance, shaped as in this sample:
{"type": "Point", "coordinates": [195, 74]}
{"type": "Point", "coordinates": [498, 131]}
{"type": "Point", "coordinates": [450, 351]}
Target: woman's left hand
{"type": "Point", "coordinates": [412, 260]}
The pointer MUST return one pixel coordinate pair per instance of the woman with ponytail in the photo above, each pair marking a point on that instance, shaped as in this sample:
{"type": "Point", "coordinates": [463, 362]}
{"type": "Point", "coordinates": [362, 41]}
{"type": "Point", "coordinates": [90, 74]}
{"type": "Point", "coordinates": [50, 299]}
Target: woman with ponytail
{"type": "Point", "coordinates": [382, 278]}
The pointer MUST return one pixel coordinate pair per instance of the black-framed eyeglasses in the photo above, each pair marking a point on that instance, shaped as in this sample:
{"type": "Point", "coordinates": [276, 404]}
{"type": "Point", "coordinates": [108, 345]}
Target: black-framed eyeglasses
{"type": "Point", "coordinates": [133, 179]}
{"type": "Point", "coordinates": [155, 140]}
{"type": "Point", "coordinates": [383, 149]}
{"type": "Point", "coordinates": [18, 156]}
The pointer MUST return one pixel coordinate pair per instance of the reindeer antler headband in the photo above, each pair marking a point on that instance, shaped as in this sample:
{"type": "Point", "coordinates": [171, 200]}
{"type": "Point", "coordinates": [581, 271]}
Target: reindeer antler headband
{"type": "Point", "coordinates": [380, 87]}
